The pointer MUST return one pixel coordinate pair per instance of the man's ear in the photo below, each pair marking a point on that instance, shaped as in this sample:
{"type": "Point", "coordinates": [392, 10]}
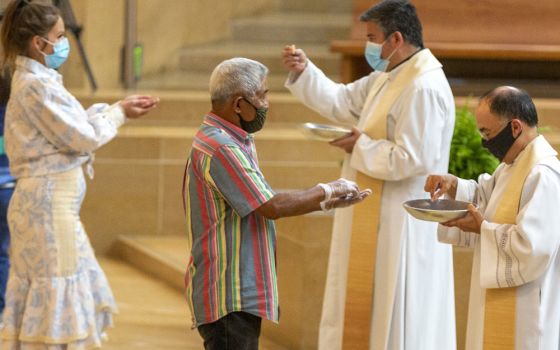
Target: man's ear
{"type": "Point", "coordinates": [398, 38]}
{"type": "Point", "coordinates": [235, 102]}
{"type": "Point", "coordinates": [517, 127]}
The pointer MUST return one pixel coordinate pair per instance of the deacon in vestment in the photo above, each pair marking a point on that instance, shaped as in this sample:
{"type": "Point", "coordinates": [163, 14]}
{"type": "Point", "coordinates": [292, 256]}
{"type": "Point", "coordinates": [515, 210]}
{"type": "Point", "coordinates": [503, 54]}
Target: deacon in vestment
{"type": "Point", "coordinates": [514, 230]}
{"type": "Point", "coordinates": [403, 116]}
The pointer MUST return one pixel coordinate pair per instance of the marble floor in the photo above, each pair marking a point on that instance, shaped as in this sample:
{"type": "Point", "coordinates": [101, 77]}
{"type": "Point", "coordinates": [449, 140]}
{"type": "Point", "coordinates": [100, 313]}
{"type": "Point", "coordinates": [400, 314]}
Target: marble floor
{"type": "Point", "coordinates": [152, 315]}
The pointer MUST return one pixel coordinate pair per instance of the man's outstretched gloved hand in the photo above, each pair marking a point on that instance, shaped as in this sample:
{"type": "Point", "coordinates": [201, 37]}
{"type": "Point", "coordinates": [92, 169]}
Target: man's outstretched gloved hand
{"type": "Point", "coordinates": [342, 202]}
{"type": "Point", "coordinates": [340, 188]}
{"type": "Point", "coordinates": [342, 193]}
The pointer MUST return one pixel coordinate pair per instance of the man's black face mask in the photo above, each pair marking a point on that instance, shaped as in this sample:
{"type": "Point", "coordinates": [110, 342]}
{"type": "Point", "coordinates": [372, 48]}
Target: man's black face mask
{"type": "Point", "coordinates": [500, 144]}
{"type": "Point", "coordinates": [255, 124]}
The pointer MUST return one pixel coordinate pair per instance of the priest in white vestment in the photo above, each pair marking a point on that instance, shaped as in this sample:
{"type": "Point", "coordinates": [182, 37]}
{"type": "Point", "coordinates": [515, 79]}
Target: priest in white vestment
{"type": "Point", "coordinates": [413, 306]}
{"type": "Point", "coordinates": [524, 253]}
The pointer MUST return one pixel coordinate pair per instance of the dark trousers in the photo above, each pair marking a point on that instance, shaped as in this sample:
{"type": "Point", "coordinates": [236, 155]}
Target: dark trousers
{"type": "Point", "coordinates": [235, 331]}
{"type": "Point", "coordinates": [5, 195]}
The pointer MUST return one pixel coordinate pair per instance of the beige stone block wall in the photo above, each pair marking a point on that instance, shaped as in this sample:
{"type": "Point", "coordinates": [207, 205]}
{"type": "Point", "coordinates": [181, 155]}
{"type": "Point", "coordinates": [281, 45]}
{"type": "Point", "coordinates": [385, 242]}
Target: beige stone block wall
{"type": "Point", "coordinates": [302, 261]}
{"type": "Point", "coordinates": [137, 189]}
{"type": "Point", "coordinates": [163, 27]}
{"type": "Point", "coordinates": [102, 37]}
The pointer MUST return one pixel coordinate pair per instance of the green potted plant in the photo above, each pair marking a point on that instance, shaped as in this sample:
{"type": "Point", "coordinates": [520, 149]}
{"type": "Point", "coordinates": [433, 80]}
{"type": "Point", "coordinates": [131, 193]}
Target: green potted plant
{"type": "Point", "coordinates": [467, 158]}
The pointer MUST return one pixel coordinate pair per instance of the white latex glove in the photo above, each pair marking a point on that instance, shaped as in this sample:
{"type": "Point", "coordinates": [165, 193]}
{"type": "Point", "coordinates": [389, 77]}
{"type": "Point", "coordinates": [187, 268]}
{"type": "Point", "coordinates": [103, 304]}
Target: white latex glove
{"type": "Point", "coordinates": [342, 202]}
{"type": "Point", "coordinates": [342, 193]}
{"type": "Point", "coordinates": [340, 188]}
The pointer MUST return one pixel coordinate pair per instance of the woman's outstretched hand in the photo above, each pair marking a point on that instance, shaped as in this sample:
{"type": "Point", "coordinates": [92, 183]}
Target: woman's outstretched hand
{"type": "Point", "coordinates": [135, 106]}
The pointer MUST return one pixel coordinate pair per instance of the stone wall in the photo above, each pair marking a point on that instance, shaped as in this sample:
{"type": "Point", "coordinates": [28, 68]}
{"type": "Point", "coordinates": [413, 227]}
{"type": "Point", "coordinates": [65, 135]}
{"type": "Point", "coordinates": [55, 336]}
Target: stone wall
{"type": "Point", "coordinates": [163, 28]}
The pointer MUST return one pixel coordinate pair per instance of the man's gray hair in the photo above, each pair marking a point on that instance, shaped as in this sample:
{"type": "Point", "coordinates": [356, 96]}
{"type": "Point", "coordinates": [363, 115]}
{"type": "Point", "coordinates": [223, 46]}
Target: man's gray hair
{"type": "Point", "coordinates": [236, 76]}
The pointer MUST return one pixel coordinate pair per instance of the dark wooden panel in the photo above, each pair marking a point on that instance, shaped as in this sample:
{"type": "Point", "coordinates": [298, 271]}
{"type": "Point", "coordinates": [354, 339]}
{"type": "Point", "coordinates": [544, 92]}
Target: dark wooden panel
{"type": "Point", "coordinates": [506, 52]}
{"type": "Point", "coordinates": [475, 38]}
{"type": "Point", "coordinates": [533, 22]}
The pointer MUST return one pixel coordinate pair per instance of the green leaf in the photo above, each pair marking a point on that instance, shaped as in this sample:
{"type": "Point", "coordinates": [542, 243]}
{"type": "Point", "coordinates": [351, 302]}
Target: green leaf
{"type": "Point", "coordinates": [468, 158]}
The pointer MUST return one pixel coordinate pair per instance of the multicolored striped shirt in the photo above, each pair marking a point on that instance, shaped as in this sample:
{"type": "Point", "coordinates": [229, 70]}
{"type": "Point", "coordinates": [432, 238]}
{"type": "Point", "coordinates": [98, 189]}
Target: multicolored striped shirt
{"type": "Point", "coordinates": [233, 248]}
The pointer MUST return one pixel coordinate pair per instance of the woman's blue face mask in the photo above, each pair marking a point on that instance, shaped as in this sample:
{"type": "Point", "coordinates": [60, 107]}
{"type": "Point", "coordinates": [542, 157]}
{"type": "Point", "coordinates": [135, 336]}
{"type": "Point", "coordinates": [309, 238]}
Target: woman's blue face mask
{"type": "Point", "coordinates": [61, 50]}
{"type": "Point", "coordinates": [373, 56]}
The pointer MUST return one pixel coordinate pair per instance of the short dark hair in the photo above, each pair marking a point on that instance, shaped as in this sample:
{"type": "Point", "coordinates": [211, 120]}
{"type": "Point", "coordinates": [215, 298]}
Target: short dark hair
{"type": "Point", "coordinates": [396, 16]}
{"type": "Point", "coordinates": [509, 102]}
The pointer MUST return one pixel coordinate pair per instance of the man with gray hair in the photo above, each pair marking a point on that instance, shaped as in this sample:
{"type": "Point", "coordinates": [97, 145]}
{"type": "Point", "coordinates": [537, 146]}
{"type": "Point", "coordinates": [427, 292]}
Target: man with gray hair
{"type": "Point", "coordinates": [403, 115]}
{"type": "Point", "coordinates": [230, 208]}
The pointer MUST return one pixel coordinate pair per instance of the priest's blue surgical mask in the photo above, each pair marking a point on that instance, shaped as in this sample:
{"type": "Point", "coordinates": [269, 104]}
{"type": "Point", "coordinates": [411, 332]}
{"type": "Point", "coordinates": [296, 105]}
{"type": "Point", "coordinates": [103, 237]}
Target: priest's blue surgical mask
{"type": "Point", "coordinates": [373, 56]}
{"type": "Point", "coordinates": [61, 50]}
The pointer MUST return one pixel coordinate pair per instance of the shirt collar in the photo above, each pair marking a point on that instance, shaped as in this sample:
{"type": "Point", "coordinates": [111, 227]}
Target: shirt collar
{"type": "Point", "coordinates": [230, 128]}
{"type": "Point", "coordinates": [393, 73]}
{"type": "Point", "coordinates": [35, 67]}
{"type": "Point", "coordinates": [533, 143]}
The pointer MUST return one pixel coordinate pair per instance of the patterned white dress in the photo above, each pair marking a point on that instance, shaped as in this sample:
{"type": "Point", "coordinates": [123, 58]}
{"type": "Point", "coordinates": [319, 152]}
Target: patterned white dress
{"type": "Point", "coordinates": [57, 295]}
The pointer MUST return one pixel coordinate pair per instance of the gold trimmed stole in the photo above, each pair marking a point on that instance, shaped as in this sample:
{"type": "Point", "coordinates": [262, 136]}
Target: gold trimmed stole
{"type": "Point", "coordinates": [365, 217]}
{"type": "Point", "coordinates": [499, 309]}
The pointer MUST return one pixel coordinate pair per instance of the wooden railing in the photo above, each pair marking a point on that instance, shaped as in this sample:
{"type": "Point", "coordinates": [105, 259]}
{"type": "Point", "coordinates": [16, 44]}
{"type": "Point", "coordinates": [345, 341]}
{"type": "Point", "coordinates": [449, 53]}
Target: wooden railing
{"type": "Point", "coordinates": [519, 31]}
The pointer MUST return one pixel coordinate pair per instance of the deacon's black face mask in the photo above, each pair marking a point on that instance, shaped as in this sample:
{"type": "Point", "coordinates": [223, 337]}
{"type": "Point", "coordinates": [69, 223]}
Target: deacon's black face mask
{"type": "Point", "coordinates": [500, 144]}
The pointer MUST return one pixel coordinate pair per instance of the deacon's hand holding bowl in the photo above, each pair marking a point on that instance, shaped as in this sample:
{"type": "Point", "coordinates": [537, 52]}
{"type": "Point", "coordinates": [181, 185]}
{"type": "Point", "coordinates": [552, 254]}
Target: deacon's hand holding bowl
{"type": "Point", "coordinates": [347, 142]}
{"type": "Point", "coordinates": [438, 185]}
{"type": "Point", "coordinates": [468, 223]}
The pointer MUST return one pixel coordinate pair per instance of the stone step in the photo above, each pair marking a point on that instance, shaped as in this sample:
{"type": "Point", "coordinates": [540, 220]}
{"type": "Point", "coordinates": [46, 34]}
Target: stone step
{"type": "Point", "coordinates": [139, 175]}
{"type": "Point", "coordinates": [297, 174]}
{"type": "Point", "coordinates": [144, 166]}
{"type": "Point", "coordinates": [282, 145]}
{"type": "Point", "coordinates": [162, 257]}
{"type": "Point", "coordinates": [198, 81]}
{"type": "Point", "coordinates": [296, 28]}
{"type": "Point", "coordinates": [310, 228]}
{"type": "Point", "coordinates": [320, 6]}
{"type": "Point", "coordinates": [553, 137]}
{"type": "Point", "coordinates": [151, 315]}
{"type": "Point", "coordinates": [302, 251]}
{"type": "Point", "coordinates": [537, 88]}
{"type": "Point", "coordinates": [187, 108]}
{"type": "Point", "coordinates": [204, 58]}
{"type": "Point", "coordinates": [549, 113]}
{"type": "Point", "coordinates": [548, 110]}
{"type": "Point", "coordinates": [301, 267]}
{"type": "Point", "coordinates": [300, 174]}
{"type": "Point", "coordinates": [170, 251]}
